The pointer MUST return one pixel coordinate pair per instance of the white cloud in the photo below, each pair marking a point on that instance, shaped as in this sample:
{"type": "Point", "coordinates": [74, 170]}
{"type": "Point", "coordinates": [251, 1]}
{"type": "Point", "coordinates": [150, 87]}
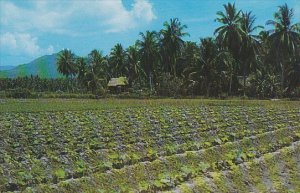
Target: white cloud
{"type": "Point", "coordinates": [8, 40]}
{"type": "Point", "coordinates": [142, 10]}
{"type": "Point", "coordinates": [22, 43]}
{"type": "Point", "coordinates": [50, 50]}
{"type": "Point", "coordinates": [64, 16]}
{"type": "Point", "coordinates": [37, 17]}
{"type": "Point", "coordinates": [21, 23]}
{"type": "Point", "coordinates": [114, 16]}
{"type": "Point", "coordinates": [27, 43]}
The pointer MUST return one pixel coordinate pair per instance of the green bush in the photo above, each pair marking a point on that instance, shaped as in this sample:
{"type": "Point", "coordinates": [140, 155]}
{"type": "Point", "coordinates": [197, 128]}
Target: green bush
{"type": "Point", "coordinates": [19, 93]}
{"type": "Point", "coordinates": [169, 85]}
{"type": "Point", "coordinates": [296, 93]}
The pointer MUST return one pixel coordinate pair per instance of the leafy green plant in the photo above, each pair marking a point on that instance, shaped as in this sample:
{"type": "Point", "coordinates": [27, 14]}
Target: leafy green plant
{"type": "Point", "coordinates": [23, 178]}
{"type": "Point", "coordinates": [203, 167]}
{"type": "Point", "coordinates": [80, 168]}
{"type": "Point", "coordinates": [58, 174]}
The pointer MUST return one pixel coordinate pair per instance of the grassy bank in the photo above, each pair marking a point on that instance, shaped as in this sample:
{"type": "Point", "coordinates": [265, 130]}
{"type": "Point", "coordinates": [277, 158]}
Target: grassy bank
{"type": "Point", "coordinates": [37, 105]}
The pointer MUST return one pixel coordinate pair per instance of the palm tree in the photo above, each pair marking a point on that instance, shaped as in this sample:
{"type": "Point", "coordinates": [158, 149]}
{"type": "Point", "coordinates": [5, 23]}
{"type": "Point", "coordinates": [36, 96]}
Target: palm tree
{"type": "Point", "coordinates": [210, 70]}
{"type": "Point", "coordinates": [190, 60]}
{"type": "Point", "coordinates": [150, 57]}
{"type": "Point", "coordinates": [229, 35]}
{"type": "Point", "coordinates": [95, 60]}
{"type": "Point", "coordinates": [200, 73]}
{"type": "Point", "coordinates": [250, 45]}
{"type": "Point", "coordinates": [96, 74]}
{"type": "Point", "coordinates": [190, 53]}
{"type": "Point", "coordinates": [265, 56]}
{"type": "Point", "coordinates": [284, 40]}
{"type": "Point", "coordinates": [136, 71]}
{"type": "Point", "coordinates": [82, 69]}
{"type": "Point", "coordinates": [66, 63]}
{"type": "Point", "coordinates": [263, 38]}
{"type": "Point", "coordinates": [117, 58]}
{"type": "Point", "coordinates": [172, 43]}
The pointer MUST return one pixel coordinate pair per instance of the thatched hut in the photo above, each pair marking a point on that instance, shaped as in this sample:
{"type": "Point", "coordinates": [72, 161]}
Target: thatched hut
{"type": "Point", "coordinates": [117, 85]}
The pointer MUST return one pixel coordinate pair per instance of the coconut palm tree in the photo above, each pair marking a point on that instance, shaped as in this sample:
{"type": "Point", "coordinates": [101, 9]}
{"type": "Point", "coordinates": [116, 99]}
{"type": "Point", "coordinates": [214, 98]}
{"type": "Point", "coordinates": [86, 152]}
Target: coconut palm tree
{"type": "Point", "coordinates": [172, 44]}
{"type": "Point", "coordinates": [149, 50]}
{"type": "Point", "coordinates": [208, 56]}
{"type": "Point", "coordinates": [95, 60]}
{"type": "Point", "coordinates": [136, 72]}
{"type": "Point", "coordinates": [190, 53]}
{"type": "Point", "coordinates": [190, 60]}
{"type": "Point", "coordinates": [82, 69]}
{"type": "Point", "coordinates": [66, 63]}
{"type": "Point", "coordinates": [95, 57]}
{"type": "Point", "coordinates": [284, 40]}
{"type": "Point", "coordinates": [250, 45]}
{"type": "Point", "coordinates": [96, 75]}
{"type": "Point", "coordinates": [263, 39]}
{"type": "Point", "coordinates": [117, 59]}
{"type": "Point", "coordinates": [198, 72]}
{"type": "Point", "coordinates": [265, 57]}
{"type": "Point", "coordinates": [229, 35]}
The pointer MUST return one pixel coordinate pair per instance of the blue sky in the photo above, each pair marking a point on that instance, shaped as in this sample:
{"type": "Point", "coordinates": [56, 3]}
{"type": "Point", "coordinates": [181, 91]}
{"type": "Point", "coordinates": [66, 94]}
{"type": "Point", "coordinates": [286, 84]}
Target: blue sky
{"type": "Point", "coordinates": [32, 28]}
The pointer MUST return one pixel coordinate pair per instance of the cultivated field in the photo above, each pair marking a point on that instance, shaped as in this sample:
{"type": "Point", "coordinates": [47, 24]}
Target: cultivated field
{"type": "Point", "coordinates": [149, 146]}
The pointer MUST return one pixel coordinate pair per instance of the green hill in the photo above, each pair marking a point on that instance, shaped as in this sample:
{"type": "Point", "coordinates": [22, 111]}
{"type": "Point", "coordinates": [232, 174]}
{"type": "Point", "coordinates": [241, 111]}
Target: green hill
{"type": "Point", "coordinates": [44, 67]}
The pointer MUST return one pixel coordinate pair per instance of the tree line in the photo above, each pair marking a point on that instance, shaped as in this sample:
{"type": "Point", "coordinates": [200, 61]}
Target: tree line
{"type": "Point", "coordinates": [241, 59]}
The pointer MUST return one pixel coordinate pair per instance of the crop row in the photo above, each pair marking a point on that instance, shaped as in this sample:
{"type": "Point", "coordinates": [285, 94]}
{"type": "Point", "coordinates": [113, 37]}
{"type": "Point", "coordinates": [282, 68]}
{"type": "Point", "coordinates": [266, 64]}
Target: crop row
{"type": "Point", "coordinates": [103, 133]}
{"type": "Point", "coordinates": [50, 147]}
{"type": "Point", "coordinates": [168, 172]}
{"type": "Point", "coordinates": [273, 172]}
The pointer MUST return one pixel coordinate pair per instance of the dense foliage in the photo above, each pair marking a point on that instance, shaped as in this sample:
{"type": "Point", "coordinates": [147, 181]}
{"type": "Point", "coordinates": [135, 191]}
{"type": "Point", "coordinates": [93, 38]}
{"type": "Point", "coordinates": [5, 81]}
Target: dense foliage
{"type": "Point", "coordinates": [242, 59]}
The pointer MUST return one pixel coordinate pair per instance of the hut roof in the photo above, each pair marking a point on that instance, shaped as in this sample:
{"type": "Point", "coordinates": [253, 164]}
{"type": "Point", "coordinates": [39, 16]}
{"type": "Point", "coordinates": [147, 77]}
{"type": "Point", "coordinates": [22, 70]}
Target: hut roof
{"type": "Point", "coordinates": [121, 81]}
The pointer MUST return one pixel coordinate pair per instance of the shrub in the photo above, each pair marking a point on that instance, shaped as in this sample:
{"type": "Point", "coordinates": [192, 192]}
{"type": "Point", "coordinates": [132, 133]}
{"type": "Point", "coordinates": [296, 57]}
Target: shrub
{"type": "Point", "coordinates": [169, 85]}
{"type": "Point", "coordinates": [19, 93]}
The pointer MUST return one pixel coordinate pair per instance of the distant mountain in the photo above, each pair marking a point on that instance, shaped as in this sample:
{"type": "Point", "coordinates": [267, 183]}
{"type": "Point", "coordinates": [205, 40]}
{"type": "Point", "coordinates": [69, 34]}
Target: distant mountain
{"type": "Point", "coordinates": [6, 67]}
{"type": "Point", "coordinates": [44, 67]}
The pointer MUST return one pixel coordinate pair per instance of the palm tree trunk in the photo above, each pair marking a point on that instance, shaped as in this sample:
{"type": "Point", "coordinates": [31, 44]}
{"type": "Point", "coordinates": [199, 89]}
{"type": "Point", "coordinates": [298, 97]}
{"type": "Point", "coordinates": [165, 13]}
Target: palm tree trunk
{"type": "Point", "coordinates": [244, 80]}
{"type": "Point", "coordinates": [174, 67]}
{"type": "Point", "coordinates": [230, 85]}
{"type": "Point", "coordinates": [208, 89]}
{"type": "Point", "coordinates": [174, 70]}
{"type": "Point", "coordinates": [282, 76]}
{"type": "Point", "coordinates": [71, 82]}
{"type": "Point", "coordinates": [150, 81]}
{"type": "Point", "coordinates": [68, 84]}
